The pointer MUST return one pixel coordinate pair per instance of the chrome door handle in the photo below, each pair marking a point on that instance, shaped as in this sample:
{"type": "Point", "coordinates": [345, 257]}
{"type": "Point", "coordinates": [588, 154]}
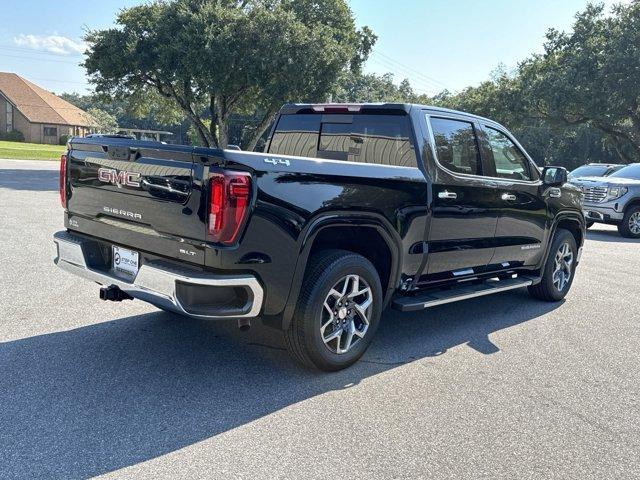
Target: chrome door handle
{"type": "Point", "coordinates": [509, 197]}
{"type": "Point", "coordinates": [448, 195]}
{"type": "Point", "coordinates": [554, 192]}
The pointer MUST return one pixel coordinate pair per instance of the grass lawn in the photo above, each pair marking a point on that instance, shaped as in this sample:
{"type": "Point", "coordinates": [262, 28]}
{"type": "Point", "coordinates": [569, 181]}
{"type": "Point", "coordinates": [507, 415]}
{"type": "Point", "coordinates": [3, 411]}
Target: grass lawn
{"type": "Point", "coordinates": [30, 151]}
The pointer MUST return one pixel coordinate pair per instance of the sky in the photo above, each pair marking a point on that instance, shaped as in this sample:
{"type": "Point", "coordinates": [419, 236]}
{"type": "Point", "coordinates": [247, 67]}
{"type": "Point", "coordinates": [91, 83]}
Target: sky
{"type": "Point", "coordinates": [436, 44]}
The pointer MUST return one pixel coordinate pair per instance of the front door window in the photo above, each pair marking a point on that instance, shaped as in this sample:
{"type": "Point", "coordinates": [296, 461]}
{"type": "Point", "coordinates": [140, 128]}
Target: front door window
{"type": "Point", "coordinates": [510, 162]}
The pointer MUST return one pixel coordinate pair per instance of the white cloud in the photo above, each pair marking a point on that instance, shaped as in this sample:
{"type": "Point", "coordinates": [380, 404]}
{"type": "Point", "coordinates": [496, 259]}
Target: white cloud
{"type": "Point", "coordinates": [57, 44]}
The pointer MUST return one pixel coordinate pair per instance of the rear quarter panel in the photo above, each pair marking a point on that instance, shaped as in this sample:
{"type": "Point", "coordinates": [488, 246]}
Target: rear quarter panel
{"type": "Point", "coordinates": [293, 193]}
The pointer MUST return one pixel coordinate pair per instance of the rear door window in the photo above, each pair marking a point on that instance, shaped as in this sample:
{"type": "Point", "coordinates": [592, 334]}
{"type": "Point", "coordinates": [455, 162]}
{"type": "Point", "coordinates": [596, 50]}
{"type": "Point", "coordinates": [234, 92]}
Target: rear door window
{"type": "Point", "coordinates": [456, 145]}
{"type": "Point", "coordinates": [379, 139]}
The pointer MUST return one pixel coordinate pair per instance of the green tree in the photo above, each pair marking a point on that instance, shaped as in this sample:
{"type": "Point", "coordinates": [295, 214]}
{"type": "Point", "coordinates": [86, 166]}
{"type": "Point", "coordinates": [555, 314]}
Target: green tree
{"type": "Point", "coordinates": [146, 109]}
{"type": "Point", "coordinates": [359, 87]}
{"type": "Point", "coordinates": [590, 76]}
{"type": "Point", "coordinates": [228, 56]}
{"type": "Point", "coordinates": [507, 99]}
{"type": "Point", "coordinates": [102, 121]}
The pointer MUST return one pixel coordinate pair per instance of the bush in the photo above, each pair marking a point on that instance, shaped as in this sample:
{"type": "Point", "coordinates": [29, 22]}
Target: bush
{"type": "Point", "coordinates": [64, 139]}
{"type": "Point", "coordinates": [12, 136]}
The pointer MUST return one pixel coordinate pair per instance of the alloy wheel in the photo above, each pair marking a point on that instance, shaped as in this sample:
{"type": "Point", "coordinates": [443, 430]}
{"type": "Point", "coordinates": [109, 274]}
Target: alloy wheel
{"type": "Point", "coordinates": [562, 269]}
{"type": "Point", "coordinates": [634, 223]}
{"type": "Point", "coordinates": [346, 313]}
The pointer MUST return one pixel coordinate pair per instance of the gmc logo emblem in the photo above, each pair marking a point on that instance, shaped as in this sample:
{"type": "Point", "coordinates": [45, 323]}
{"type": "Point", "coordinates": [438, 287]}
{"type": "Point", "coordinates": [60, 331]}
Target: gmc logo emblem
{"type": "Point", "coordinates": [110, 175]}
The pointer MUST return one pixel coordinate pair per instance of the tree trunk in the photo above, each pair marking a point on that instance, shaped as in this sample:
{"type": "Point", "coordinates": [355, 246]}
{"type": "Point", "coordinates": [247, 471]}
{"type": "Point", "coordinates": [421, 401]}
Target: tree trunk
{"type": "Point", "coordinates": [252, 141]}
{"type": "Point", "coordinates": [203, 134]}
{"type": "Point", "coordinates": [207, 138]}
{"type": "Point", "coordinates": [223, 132]}
{"type": "Point", "coordinates": [220, 112]}
{"type": "Point", "coordinates": [620, 151]}
{"type": "Point", "coordinates": [635, 134]}
{"type": "Point", "coordinates": [618, 136]}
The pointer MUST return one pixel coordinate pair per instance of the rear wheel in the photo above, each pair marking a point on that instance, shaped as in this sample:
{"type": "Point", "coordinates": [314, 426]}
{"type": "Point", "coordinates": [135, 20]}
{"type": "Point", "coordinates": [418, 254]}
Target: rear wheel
{"type": "Point", "coordinates": [559, 269]}
{"type": "Point", "coordinates": [338, 311]}
{"type": "Point", "coordinates": [630, 225]}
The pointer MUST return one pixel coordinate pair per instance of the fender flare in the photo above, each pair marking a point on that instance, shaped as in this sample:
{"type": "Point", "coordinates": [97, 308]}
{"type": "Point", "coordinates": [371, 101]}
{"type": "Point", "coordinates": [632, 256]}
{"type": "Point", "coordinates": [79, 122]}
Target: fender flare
{"type": "Point", "coordinates": [563, 215]}
{"type": "Point", "coordinates": [631, 203]}
{"type": "Point", "coordinates": [342, 219]}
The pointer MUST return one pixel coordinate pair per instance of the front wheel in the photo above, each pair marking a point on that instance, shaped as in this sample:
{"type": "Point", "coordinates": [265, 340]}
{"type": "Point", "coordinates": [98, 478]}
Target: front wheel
{"type": "Point", "coordinates": [630, 225]}
{"type": "Point", "coordinates": [559, 269]}
{"type": "Point", "coordinates": [338, 311]}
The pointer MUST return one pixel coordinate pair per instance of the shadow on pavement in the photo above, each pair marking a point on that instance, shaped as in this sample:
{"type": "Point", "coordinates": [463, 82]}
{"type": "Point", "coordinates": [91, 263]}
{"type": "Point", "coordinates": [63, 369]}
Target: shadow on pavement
{"type": "Point", "coordinates": [29, 180]}
{"type": "Point", "coordinates": [608, 236]}
{"type": "Point", "coordinates": [96, 399]}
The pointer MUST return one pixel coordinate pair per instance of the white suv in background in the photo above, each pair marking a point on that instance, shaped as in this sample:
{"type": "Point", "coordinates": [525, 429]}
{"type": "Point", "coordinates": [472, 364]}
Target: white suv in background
{"type": "Point", "coordinates": [614, 199]}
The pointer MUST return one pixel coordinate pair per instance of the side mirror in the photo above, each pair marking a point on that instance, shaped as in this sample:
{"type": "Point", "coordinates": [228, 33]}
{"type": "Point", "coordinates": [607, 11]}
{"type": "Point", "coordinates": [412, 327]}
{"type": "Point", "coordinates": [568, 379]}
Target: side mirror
{"type": "Point", "coordinates": [554, 176]}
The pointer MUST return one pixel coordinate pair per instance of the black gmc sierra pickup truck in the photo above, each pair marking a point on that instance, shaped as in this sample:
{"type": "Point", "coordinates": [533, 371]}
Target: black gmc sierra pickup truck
{"type": "Point", "coordinates": [352, 209]}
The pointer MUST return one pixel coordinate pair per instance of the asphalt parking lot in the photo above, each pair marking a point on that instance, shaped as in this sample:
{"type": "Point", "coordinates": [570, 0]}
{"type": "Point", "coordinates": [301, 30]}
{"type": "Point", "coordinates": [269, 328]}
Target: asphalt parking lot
{"type": "Point", "coordinates": [504, 386]}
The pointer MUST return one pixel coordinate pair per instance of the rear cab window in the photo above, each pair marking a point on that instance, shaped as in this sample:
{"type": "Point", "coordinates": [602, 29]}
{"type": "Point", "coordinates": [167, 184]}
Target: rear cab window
{"type": "Point", "coordinates": [296, 135]}
{"type": "Point", "coordinates": [365, 138]}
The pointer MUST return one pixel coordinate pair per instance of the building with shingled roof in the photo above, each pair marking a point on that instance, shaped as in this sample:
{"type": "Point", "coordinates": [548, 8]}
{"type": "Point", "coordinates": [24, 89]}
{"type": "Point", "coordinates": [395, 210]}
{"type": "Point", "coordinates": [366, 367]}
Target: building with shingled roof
{"type": "Point", "coordinates": [38, 114]}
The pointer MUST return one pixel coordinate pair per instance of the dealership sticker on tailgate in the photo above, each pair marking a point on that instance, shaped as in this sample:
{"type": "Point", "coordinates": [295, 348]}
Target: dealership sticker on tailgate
{"type": "Point", "coordinates": [125, 261]}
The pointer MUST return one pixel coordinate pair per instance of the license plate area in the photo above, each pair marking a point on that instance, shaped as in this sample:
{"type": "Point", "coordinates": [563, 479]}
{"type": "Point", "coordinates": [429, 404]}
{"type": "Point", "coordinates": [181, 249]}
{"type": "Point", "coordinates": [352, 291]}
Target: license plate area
{"type": "Point", "coordinates": [124, 262]}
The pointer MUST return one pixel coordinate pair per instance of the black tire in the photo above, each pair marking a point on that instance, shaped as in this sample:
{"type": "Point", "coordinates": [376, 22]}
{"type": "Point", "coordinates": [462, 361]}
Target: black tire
{"type": "Point", "coordinates": [590, 224]}
{"type": "Point", "coordinates": [304, 339]}
{"type": "Point", "coordinates": [625, 226]}
{"type": "Point", "coordinates": [547, 290]}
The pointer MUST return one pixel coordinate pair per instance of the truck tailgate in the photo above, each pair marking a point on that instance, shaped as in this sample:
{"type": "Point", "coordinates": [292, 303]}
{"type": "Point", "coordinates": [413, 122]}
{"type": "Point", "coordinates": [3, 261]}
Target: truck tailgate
{"type": "Point", "coordinates": [144, 188]}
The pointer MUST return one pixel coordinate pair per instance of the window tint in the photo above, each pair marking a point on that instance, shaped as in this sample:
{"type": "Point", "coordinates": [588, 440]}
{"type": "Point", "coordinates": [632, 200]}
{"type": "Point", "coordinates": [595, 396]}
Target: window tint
{"type": "Point", "coordinates": [296, 135]}
{"type": "Point", "coordinates": [589, 171]}
{"type": "Point", "coordinates": [456, 145]}
{"type": "Point", "coordinates": [631, 171]}
{"type": "Point", "coordinates": [381, 139]}
{"type": "Point", "coordinates": [510, 162]}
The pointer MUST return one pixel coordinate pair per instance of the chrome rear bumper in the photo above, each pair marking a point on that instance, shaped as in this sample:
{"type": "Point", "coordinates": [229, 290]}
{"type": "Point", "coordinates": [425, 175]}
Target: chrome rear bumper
{"type": "Point", "coordinates": [159, 284]}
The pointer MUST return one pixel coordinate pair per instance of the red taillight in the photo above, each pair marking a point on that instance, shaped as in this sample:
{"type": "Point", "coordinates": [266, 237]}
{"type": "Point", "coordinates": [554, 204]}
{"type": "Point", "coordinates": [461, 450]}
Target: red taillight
{"type": "Point", "coordinates": [63, 181]}
{"type": "Point", "coordinates": [229, 195]}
